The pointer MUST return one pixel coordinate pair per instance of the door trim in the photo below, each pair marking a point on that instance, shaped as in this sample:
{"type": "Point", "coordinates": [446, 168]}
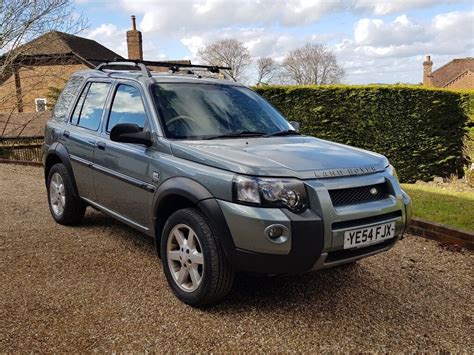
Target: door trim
{"type": "Point", "coordinates": [128, 179]}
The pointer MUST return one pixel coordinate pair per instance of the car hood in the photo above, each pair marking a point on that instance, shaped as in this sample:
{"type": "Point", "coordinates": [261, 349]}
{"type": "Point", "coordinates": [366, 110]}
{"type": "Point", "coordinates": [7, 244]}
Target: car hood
{"type": "Point", "coordinates": [298, 156]}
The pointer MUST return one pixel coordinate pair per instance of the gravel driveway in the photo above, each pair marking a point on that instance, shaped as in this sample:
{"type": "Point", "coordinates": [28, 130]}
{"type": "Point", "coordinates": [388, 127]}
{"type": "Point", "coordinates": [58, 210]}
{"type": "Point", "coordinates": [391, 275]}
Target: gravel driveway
{"type": "Point", "coordinates": [99, 287]}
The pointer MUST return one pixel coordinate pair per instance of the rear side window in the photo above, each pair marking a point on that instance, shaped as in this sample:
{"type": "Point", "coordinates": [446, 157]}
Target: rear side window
{"type": "Point", "coordinates": [90, 106]}
{"type": "Point", "coordinates": [127, 107]}
{"type": "Point", "coordinates": [67, 97]}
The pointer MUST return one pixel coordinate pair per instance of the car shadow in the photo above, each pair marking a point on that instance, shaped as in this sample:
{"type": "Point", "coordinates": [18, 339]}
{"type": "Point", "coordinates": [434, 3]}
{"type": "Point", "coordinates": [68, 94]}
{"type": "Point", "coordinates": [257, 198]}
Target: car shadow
{"type": "Point", "coordinates": [323, 287]}
{"type": "Point", "coordinates": [94, 219]}
{"type": "Point", "coordinates": [324, 290]}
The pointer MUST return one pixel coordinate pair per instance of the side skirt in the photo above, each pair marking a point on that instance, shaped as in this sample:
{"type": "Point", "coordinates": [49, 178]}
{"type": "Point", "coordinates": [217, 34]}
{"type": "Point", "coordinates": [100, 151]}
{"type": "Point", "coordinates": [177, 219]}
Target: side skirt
{"type": "Point", "coordinates": [121, 218]}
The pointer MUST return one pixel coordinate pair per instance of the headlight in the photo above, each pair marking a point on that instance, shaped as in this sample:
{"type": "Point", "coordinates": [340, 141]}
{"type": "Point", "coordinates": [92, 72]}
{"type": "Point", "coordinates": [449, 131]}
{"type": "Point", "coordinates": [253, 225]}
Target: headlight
{"type": "Point", "coordinates": [391, 170]}
{"type": "Point", "coordinates": [288, 193]}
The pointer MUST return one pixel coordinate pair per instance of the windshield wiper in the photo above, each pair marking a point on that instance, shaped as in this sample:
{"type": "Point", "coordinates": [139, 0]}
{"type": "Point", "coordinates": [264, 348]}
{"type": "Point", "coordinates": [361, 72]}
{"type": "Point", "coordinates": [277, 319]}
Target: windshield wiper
{"type": "Point", "coordinates": [286, 132]}
{"type": "Point", "coordinates": [237, 135]}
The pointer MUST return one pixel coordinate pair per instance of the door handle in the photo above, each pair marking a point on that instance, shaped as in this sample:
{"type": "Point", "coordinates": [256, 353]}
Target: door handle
{"type": "Point", "coordinates": [66, 134]}
{"type": "Point", "coordinates": [100, 145]}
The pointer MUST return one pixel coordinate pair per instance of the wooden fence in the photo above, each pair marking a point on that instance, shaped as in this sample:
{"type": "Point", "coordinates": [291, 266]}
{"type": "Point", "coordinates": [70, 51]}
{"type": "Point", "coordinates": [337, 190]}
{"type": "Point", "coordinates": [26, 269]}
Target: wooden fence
{"type": "Point", "coordinates": [21, 149]}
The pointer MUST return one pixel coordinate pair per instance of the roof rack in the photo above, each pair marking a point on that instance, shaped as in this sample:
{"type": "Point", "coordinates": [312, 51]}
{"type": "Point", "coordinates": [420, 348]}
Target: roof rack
{"type": "Point", "coordinates": [173, 67]}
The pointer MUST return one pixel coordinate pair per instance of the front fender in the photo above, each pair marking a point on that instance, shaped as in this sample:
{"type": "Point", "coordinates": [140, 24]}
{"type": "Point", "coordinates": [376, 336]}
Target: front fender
{"type": "Point", "coordinates": [181, 186]}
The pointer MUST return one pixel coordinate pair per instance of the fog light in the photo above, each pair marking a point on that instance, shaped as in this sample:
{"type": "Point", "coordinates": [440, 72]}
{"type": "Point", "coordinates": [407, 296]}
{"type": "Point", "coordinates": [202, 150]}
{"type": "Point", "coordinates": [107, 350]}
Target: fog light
{"type": "Point", "coordinates": [277, 233]}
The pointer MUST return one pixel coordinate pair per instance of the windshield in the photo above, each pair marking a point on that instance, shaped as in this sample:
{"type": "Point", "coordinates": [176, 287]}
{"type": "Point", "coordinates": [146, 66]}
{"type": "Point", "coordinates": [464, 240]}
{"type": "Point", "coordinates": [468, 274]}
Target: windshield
{"type": "Point", "coordinates": [206, 111]}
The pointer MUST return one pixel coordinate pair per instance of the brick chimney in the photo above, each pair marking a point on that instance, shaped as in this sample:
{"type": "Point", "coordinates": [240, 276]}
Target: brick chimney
{"type": "Point", "coordinates": [427, 68]}
{"type": "Point", "coordinates": [134, 42]}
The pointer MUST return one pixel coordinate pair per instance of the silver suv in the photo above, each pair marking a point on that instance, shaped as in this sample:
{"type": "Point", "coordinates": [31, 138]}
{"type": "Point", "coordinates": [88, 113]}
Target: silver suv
{"type": "Point", "coordinates": [217, 176]}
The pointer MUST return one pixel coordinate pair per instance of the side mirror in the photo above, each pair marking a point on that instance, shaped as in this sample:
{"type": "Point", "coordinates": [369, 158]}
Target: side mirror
{"type": "Point", "coordinates": [296, 125]}
{"type": "Point", "coordinates": [130, 133]}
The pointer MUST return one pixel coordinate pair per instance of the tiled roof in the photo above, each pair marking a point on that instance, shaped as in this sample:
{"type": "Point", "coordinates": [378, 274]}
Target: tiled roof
{"type": "Point", "coordinates": [56, 42]}
{"type": "Point", "coordinates": [448, 72]}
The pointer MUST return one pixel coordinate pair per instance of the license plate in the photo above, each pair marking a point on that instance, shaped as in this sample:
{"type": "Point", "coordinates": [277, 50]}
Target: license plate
{"type": "Point", "coordinates": [361, 237]}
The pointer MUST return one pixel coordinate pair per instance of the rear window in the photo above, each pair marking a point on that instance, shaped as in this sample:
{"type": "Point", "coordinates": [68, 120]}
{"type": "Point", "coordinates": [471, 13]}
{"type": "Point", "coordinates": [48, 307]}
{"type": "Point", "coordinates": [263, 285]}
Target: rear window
{"type": "Point", "coordinates": [89, 108]}
{"type": "Point", "coordinates": [67, 97]}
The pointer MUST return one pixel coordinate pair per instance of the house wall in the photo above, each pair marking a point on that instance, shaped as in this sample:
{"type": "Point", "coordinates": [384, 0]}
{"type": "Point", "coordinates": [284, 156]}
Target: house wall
{"type": "Point", "coordinates": [466, 81]}
{"type": "Point", "coordinates": [34, 83]}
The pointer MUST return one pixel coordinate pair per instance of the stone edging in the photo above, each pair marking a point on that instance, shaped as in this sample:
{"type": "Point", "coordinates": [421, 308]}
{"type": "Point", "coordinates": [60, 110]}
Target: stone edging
{"type": "Point", "coordinates": [20, 162]}
{"type": "Point", "coordinates": [441, 233]}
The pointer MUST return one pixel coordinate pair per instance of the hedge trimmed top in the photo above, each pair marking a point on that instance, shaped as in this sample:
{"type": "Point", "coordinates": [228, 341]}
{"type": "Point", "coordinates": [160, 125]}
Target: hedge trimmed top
{"type": "Point", "coordinates": [420, 130]}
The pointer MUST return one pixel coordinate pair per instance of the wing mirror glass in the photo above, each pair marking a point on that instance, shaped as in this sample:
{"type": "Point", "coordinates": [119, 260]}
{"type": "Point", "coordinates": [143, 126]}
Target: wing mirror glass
{"type": "Point", "coordinates": [130, 133]}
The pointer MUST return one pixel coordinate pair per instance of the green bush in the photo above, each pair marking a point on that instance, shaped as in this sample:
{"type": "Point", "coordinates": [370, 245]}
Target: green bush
{"type": "Point", "coordinates": [420, 130]}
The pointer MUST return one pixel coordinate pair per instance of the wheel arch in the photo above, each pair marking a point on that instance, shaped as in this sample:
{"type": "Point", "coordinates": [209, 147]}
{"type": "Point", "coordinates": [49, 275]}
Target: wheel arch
{"type": "Point", "coordinates": [178, 193]}
{"type": "Point", "coordinates": [58, 154]}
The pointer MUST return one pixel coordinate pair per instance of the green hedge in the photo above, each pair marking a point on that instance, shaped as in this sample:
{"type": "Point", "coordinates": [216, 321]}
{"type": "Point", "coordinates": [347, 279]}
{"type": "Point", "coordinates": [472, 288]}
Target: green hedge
{"type": "Point", "coordinates": [419, 130]}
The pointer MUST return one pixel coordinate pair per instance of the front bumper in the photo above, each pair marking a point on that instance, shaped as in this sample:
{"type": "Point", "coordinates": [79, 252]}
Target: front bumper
{"type": "Point", "coordinates": [315, 237]}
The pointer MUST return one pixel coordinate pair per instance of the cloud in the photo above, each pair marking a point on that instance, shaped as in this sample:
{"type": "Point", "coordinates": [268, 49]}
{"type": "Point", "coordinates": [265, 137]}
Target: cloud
{"type": "Point", "coordinates": [395, 49]}
{"type": "Point", "coordinates": [384, 7]}
{"type": "Point", "coordinates": [448, 33]}
{"type": "Point", "coordinates": [377, 33]}
{"type": "Point", "coordinates": [185, 16]}
{"type": "Point", "coordinates": [109, 36]}
{"type": "Point", "coordinates": [114, 38]}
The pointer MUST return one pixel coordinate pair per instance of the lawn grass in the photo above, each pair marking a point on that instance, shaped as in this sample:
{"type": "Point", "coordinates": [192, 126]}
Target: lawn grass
{"type": "Point", "coordinates": [445, 206]}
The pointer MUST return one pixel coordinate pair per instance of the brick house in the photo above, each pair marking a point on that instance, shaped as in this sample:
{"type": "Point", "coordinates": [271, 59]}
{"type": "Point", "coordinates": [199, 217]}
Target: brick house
{"type": "Point", "coordinates": [457, 74]}
{"type": "Point", "coordinates": [47, 62]}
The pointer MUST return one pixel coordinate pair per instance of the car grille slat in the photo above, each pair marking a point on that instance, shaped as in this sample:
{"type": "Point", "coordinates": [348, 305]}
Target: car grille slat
{"type": "Point", "coordinates": [361, 194]}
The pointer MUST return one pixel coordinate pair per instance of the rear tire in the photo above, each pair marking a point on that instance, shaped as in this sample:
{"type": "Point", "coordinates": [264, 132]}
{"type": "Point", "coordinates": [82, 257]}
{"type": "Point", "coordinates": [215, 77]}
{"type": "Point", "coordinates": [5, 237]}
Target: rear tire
{"type": "Point", "coordinates": [65, 207]}
{"type": "Point", "coordinates": [194, 262]}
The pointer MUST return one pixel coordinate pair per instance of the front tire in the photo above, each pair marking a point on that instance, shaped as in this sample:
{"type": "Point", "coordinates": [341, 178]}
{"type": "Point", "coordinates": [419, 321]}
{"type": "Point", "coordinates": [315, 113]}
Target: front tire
{"type": "Point", "coordinates": [194, 263]}
{"type": "Point", "coordinates": [65, 207]}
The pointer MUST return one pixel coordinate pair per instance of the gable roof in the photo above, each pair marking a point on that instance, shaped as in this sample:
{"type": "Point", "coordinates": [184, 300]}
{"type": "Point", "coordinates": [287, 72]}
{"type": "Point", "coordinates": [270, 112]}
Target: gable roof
{"type": "Point", "coordinates": [53, 44]}
{"type": "Point", "coordinates": [450, 71]}
{"type": "Point", "coordinates": [464, 73]}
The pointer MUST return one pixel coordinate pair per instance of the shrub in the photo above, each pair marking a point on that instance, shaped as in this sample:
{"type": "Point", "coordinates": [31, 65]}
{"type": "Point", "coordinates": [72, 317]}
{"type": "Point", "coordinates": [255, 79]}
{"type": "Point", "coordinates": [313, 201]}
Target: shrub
{"type": "Point", "coordinates": [420, 130]}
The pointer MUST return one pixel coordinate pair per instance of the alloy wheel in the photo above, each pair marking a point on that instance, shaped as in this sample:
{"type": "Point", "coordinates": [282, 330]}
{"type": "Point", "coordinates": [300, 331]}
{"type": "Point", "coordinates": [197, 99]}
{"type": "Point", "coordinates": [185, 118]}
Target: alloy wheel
{"type": "Point", "coordinates": [57, 194]}
{"type": "Point", "coordinates": [185, 258]}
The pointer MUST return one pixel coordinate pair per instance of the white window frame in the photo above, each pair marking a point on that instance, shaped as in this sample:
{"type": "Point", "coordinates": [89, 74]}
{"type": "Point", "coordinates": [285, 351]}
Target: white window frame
{"type": "Point", "coordinates": [37, 100]}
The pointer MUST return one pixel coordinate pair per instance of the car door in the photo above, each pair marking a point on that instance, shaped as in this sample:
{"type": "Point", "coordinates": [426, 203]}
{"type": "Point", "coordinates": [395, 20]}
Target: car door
{"type": "Point", "coordinates": [121, 170]}
{"type": "Point", "coordinates": [79, 136]}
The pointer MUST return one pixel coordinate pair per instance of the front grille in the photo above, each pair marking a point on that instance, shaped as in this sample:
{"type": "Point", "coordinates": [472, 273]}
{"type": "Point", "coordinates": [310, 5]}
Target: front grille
{"type": "Point", "coordinates": [355, 195]}
{"type": "Point", "coordinates": [339, 255]}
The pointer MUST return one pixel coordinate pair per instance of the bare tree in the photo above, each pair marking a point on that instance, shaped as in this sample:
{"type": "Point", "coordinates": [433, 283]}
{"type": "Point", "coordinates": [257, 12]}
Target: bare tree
{"type": "Point", "coordinates": [266, 69]}
{"type": "Point", "coordinates": [313, 64]}
{"type": "Point", "coordinates": [227, 52]}
{"type": "Point", "coordinates": [20, 22]}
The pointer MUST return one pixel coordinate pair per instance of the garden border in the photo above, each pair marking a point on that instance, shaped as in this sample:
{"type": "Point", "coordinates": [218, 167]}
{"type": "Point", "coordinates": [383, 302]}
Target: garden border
{"type": "Point", "coordinates": [441, 233]}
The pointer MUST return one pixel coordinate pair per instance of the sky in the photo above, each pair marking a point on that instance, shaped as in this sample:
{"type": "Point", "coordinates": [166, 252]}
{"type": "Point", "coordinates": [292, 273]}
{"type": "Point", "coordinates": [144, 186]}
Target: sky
{"type": "Point", "coordinates": [375, 41]}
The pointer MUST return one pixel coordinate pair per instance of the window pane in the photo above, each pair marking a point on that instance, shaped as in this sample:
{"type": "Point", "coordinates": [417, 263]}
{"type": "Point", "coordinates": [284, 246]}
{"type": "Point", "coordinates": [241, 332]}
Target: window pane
{"type": "Point", "coordinates": [67, 96]}
{"type": "Point", "coordinates": [127, 107]}
{"type": "Point", "coordinates": [78, 108]}
{"type": "Point", "coordinates": [40, 105]}
{"type": "Point", "coordinates": [94, 106]}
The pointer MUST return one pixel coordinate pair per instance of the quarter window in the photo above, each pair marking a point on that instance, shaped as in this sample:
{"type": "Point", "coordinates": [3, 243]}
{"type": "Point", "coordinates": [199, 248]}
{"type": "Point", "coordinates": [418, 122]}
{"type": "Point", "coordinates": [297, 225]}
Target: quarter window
{"type": "Point", "coordinates": [89, 109]}
{"type": "Point", "coordinates": [127, 107]}
{"type": "Point", "coordinates": [66, 98]}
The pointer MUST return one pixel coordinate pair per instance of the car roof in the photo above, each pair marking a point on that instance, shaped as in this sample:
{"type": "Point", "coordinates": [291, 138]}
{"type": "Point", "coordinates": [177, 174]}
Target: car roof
{"type": "Point", "coordinates": [156, 77]}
